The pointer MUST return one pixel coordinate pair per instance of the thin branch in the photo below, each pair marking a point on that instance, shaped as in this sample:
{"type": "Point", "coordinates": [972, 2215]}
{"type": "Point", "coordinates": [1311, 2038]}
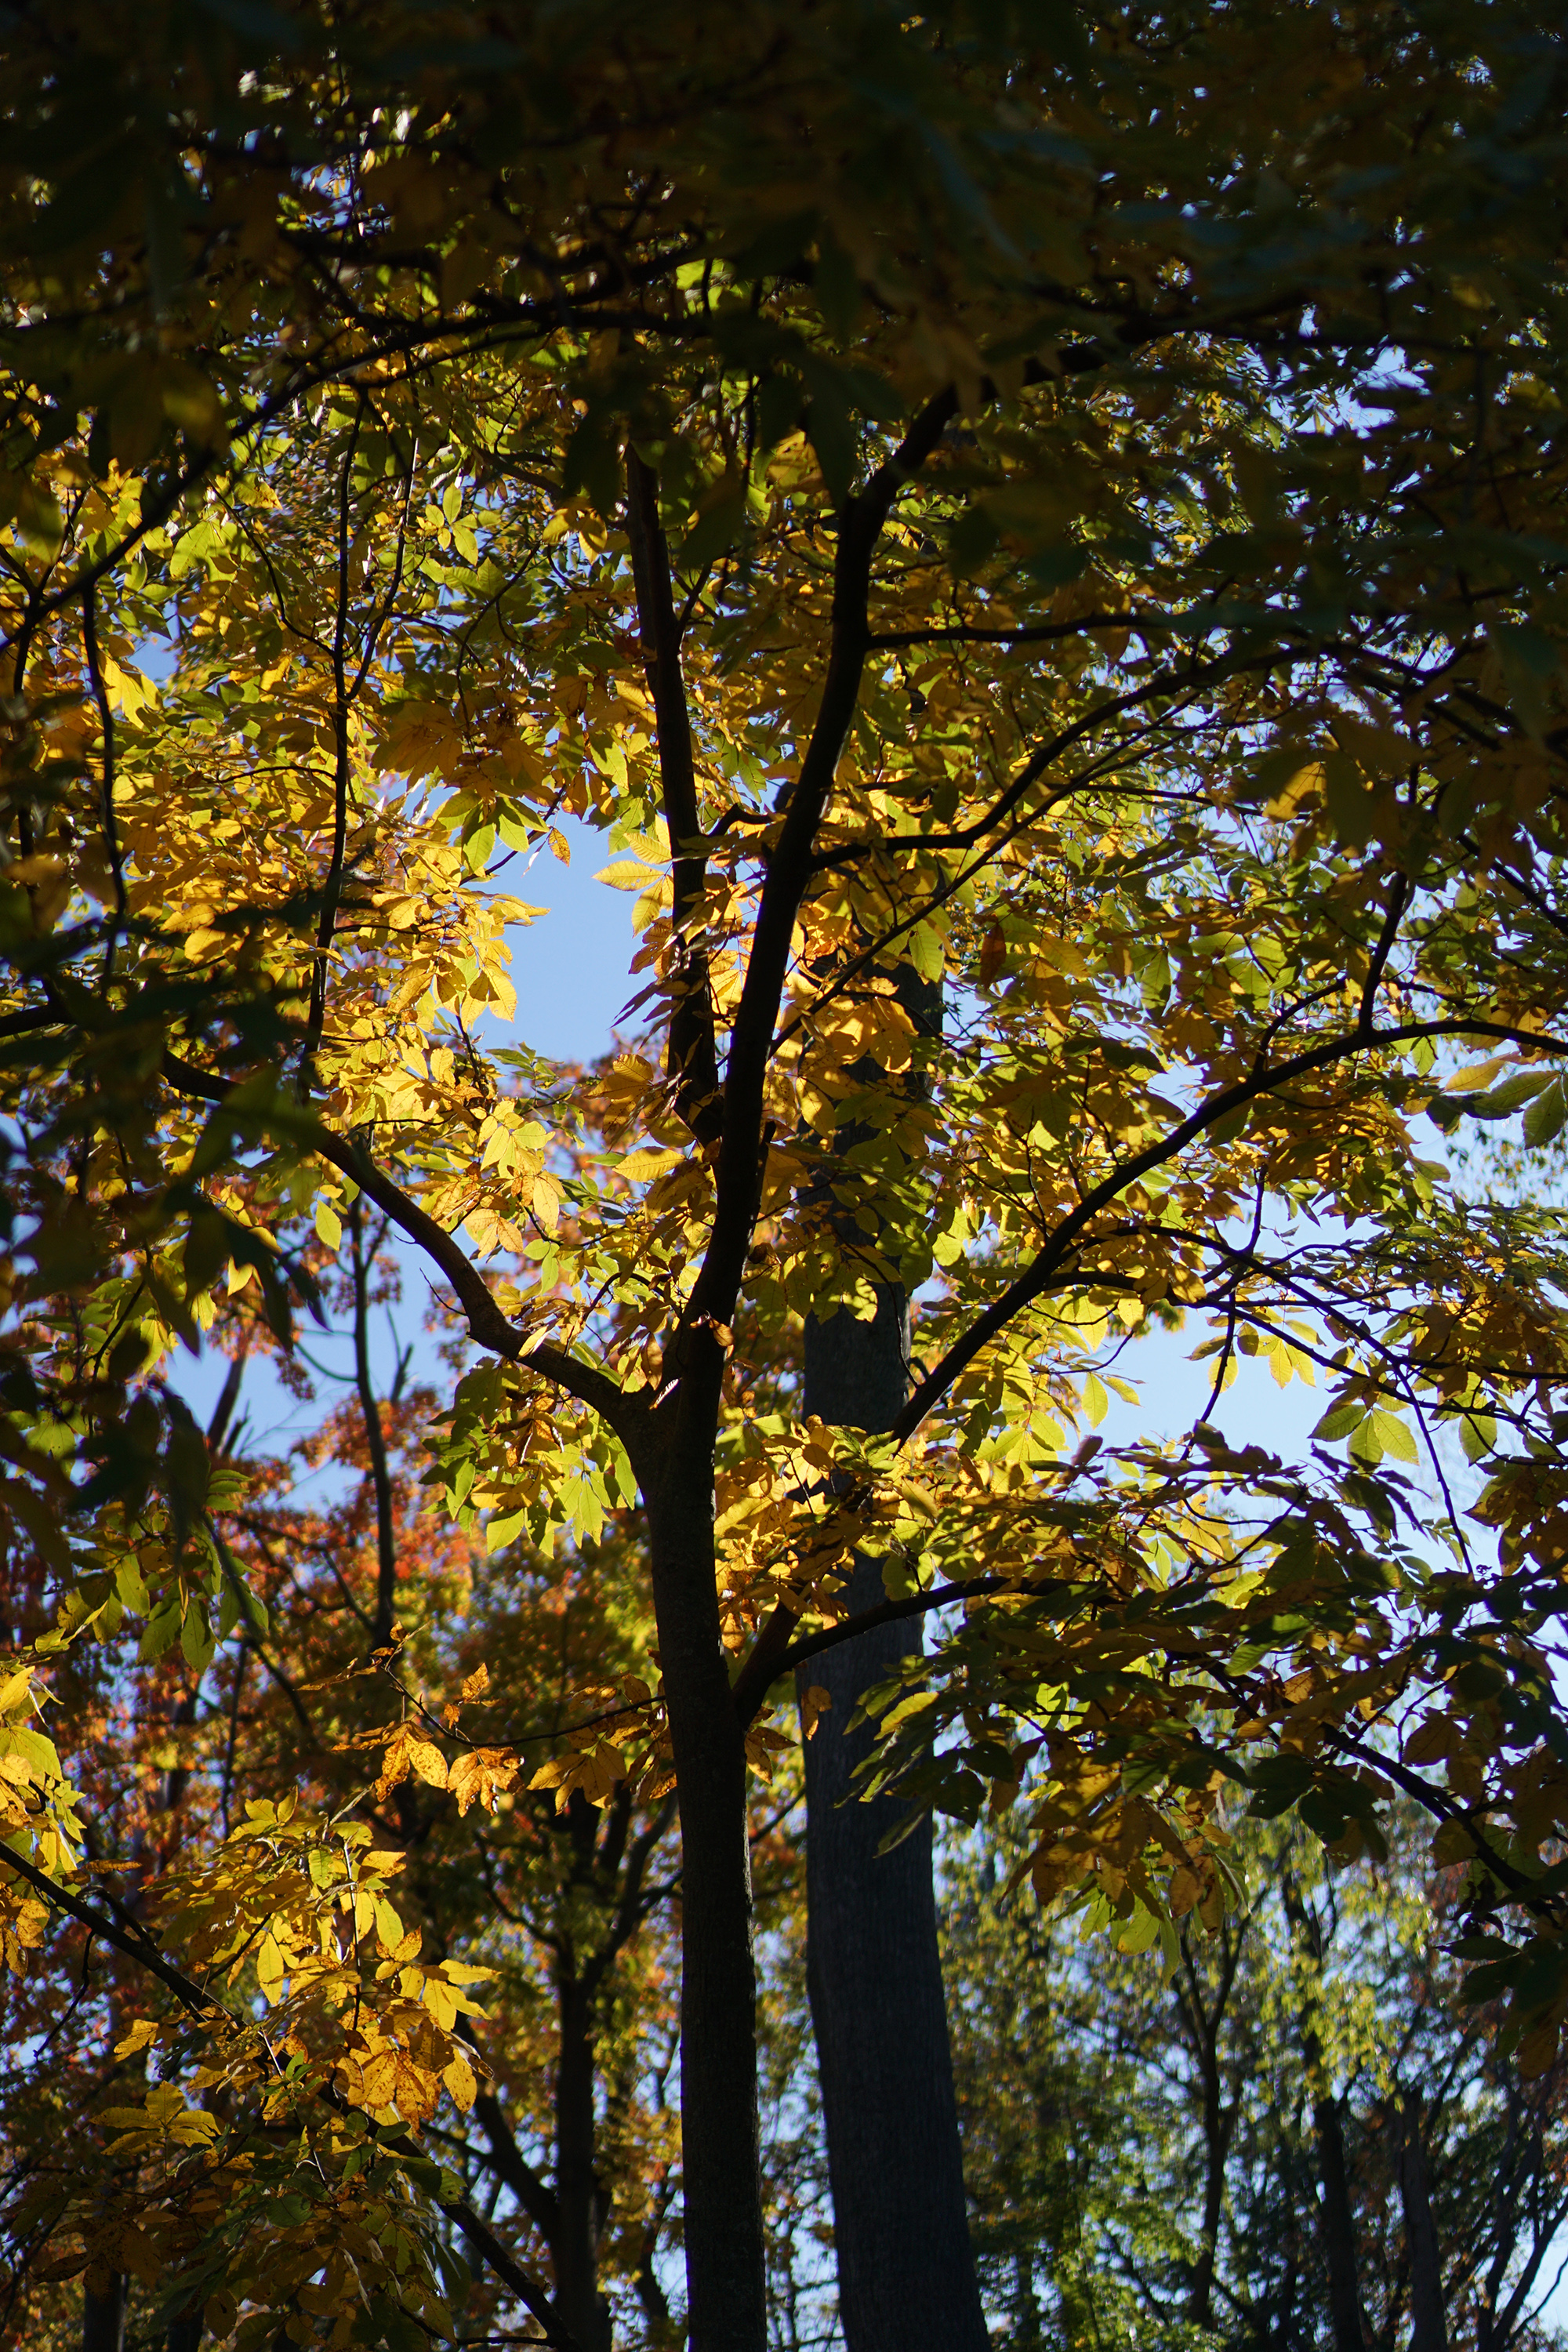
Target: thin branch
{"type": "Point", "coordinates": [528, 2291]}
{"type": "Point", "coordinates": [111, 824]}
{"type": "Point", "coordinates": [1037, 1277]}
{"type": "Point", "coordinates": [133, 1946]}
{"type": "Point", "coordinates": [332, 886]}
{"type": "Point", "coordinates": [487, 1325]}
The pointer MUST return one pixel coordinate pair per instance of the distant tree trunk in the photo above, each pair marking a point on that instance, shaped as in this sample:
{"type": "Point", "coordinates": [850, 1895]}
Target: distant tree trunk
{"type": "Point", "coordinates": [1428, 2325]}
{"type": "Point", "coordinates": [185, 2331]}
{"type": "Point", "coordinates": [1336, 2222]}
{"type": "Point", "coordinates": [575, 2249]}
{"type": "Point", "coordinates": [906, 2269]}
{"type": "Point", "coordinates": [103, 2318]}
{"type": "Point", "coordinates": [1337, 2225]}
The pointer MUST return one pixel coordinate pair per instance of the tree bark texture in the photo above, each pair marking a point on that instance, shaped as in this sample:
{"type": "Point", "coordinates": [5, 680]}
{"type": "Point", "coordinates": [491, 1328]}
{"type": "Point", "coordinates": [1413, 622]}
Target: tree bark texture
{"type": "Point", "coordinates": [575, 2250]}
{"type": "Point", "coordinates": [725, 2269]}
{"type": "Point", "coordinates": [1338, 2226]}
{"type": "Point", "coordinates": [906, 2269]}
{"type": "Point", "coordinates": [1428, 2323]}
{"type": "Point", "coordinates": [103, 2317]}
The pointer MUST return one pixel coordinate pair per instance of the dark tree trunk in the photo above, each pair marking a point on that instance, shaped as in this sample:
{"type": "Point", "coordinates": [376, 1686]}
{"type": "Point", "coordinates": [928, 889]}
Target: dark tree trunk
{"type": "Point", "coordinates": [1428, 2325]}
{"type": "Point", "coordinates": [1338, 2226]}
{"type": "Point", "coordinates": [574, 2248]}
{"type": "Point", "coordinates": [906, 2270]}
{"type": "Point", "coordinates": [185, 2331]}
{"type": "Point", "coordinates": [103, 2318]}
{"type": "Point", "coordinates": [725, 2270]}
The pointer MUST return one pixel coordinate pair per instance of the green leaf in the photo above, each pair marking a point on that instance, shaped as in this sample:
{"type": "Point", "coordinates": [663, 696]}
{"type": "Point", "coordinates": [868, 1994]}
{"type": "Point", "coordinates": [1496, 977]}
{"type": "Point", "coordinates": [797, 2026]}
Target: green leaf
{"type": "Point", "coordinates": [1343, 1416]}
{"type": "Point", "coordinates": [926, 953]}
{"type": "Point", "coordinates": [195, 1637]}
{"type": "Point", "coordinates": [1381, 1434]}
{"type": "Point", "coordinates": [1547, 1115]}
{"type": "Point", "coordinates": [1478, 1435]}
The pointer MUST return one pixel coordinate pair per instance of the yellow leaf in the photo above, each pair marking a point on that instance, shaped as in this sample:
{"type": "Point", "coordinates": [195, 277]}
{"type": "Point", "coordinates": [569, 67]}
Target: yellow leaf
{"type": "Point", "coordinates": [1184, 1893]}
{"type": "Point", "coordinates": [379, 2078]}
{"type": "Point", "coordinates": [546, 1203]}
{"type": "Point", "coordinates": [815, 1703]}
{"type": "Point", "coordinates": [639, 1166]}
{"type": "Point", "coordinates": [479, 1775]}
{"type": "Point", "coordinates": [1480, 1075]}
{"type": "Point", "coordinates": [428, 1762]}
{"type": "Point", "coordinates": [441, 2003]}
{"type": "Point", "coordinates": [629, 874]}
{"type": "Point", "coordinates": [1537, 2050]}
{"type": "Point", "coordinates": [459, 2077]}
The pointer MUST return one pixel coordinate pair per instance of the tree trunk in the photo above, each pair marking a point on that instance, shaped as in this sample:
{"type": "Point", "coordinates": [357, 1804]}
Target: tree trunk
{"type": "Point", "coordinates": [185, 2331]}
{"type": "Point", "coordinates": [906, 2269]}
{"type": "Point", "coordinates": [1200, 2302]}
{"type": "Point", "coordinates": [575, 2250]}
{"type": "Point", "coordinates": [1336, 2223]}
{"type": "Point", "coordinates": [1338, 2226]}
{"type": "Point", "coordinates": [103, 2317]}
{"type": "Point", "coordinates": [721, 2161]}
{"type": "Point", "coordinates": [1428, 2325]}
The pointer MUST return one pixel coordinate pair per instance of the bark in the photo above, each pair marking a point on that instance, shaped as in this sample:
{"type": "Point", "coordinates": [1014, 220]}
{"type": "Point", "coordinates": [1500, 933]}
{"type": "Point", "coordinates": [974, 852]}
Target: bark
{"type": "Point", "coordinates": [103, 2317]}
{"type": "Point", "coordinates": [375, 1438]}
{"type": "Point", "coordinates": [906, 2270]}
{"type": "Point", "coordinates": [185, 2331]}
{"type": "Point", "coordinates": [1428, 2325]}
{"type": "Point", "coordinates": [574, 2246]}
{"type": "Point", "coordinates": [726, 2288]}
{"type": "Point", "coordinates": [1337, 2224]}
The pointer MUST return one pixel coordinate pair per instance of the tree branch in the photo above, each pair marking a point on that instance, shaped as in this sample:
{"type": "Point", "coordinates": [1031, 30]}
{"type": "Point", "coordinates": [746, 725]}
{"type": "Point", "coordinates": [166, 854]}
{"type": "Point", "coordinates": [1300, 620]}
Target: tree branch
{"type": "Point", "coordinates": [773, 1655]}
{"type": "Point", "coordinates": [693, 1056]}
{"type": "Point", "coordinates": [375, 1441]}
{"type": "Point", "coordinates": [1037, 1277]}
{"type": "Point", "coordinates": [487, 1325]}
{"type": "Point", "coordinates": [137, 1947]}
{"type": "Point", "coordinates": [528, 2291]}
{"type": "Point", "coordinates": [789, 872]}
{"type": "Point", "coordinates": [538, 2201]}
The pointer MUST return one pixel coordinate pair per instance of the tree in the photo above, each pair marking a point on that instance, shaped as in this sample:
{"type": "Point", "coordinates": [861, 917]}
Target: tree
{"type": "Point", "coordinates": [1143, 2149]}
{"type": "Point", "coordinates": [1094, 535]}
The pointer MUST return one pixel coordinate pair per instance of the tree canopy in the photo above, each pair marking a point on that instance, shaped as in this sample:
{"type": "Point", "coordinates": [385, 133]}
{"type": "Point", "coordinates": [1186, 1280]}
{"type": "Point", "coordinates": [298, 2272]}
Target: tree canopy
{"type": "Point", "coordinates": [1059, 508]}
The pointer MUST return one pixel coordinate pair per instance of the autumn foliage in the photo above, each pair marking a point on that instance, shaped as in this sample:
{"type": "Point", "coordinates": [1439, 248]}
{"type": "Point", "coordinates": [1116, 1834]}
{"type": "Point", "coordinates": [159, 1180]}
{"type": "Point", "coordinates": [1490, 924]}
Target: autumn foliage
{"type": "Point", "coordinates": [1035, 536]}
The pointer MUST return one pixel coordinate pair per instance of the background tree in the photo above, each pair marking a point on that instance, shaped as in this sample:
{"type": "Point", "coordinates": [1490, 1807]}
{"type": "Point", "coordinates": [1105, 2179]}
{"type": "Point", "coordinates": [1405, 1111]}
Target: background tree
{"type": "Point", "coordinates": [1144, 2151]}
